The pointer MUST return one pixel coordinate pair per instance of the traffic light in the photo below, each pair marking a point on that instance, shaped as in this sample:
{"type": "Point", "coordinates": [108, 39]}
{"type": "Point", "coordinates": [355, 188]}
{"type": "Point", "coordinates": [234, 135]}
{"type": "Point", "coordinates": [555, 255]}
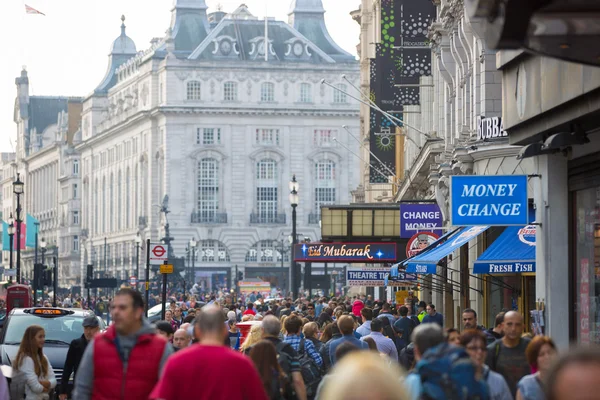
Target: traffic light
{"type": "Point", "coordinates": [89, 274]}
{"type": "Point", "coordinates": [38, 279]}
{"type": "Point", "coordinates": [240, 276]}
{"type": "Point", "coordinates": [48, 277]}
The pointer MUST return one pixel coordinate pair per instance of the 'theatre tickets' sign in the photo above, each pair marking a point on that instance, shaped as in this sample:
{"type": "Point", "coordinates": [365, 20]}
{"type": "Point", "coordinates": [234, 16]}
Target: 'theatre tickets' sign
{"type": "Point", "coordinates": [345, 252]}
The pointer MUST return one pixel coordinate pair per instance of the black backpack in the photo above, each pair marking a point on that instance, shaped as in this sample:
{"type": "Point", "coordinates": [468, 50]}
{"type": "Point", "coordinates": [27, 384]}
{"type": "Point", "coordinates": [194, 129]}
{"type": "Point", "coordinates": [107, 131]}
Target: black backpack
{"type": "Point", "coordinates": [285, 362]}
{"type": "Point", "coordinates": [311, 372]}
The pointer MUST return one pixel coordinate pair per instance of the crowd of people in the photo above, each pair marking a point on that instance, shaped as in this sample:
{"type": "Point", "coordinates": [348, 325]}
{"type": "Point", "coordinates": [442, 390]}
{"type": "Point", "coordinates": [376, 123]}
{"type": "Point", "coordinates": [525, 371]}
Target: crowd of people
{"type": "Point", "coordinates": [336, 348]}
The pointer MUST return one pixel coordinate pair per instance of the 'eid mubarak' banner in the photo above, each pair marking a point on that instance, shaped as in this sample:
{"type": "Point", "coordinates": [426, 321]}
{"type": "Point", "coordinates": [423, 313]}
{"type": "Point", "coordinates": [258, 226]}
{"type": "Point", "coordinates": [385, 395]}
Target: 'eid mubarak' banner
{"type": "Point", "coordinates": [345, 252]}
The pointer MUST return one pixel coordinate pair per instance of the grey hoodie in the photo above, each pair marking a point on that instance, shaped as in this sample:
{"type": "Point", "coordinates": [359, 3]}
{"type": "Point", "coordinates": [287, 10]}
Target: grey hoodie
{"type": "Point", "coordinates": [84, 380]}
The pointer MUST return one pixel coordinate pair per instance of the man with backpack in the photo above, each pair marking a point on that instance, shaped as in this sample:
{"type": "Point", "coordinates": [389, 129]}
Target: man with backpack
{"type": "Point", "coordinates": [311, 363]}
{"type": "Point", "coordinates": [405, 324]}
{"type": "Point", "coordinates": [288, 357]}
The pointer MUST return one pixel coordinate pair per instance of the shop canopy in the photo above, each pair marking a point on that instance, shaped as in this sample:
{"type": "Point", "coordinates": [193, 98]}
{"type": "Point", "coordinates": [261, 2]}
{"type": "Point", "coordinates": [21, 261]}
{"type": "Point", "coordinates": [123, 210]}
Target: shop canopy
{"type": "Point", "coordinates": [513, 251]}
{"type": "Point", "coordinates": [427, 261]}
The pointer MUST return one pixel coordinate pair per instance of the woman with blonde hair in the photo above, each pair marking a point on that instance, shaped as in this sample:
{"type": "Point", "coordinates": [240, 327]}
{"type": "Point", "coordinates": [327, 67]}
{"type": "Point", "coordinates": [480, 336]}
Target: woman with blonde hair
{"type": "Point", "coordinates": [372, 378]}
{"type": "Point", "coordinates": [34, 365]}
{"type": "Point", "coordinates": [254, 337]}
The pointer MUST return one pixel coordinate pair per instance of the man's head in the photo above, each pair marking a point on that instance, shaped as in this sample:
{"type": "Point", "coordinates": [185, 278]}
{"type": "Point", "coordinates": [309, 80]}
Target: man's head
{"type": "Point", "coordinates": [346, 324]}
{"type": "Point", "coordinates": [425, 337]}
{"type": "Point", "coordinates": [91, 327]}
{"type": "Point", "coordinates": [310, 309]}
{"type": "Point", "coordinates": [210, 325]}
{"type": "Point", "coordinates": [513, 325]}
{"type": "Point", "coordinates": [385, 308]}
{"type": "Point", "coordinates": [177, 313]}
{"type": "Point", "coordinates": [376, 325]}
{"type": "Point", "coordinates": [292, 324]}
{"type": "Point", "coordinates": [164, 329]}
{"type": "Point", "coordinates": [127, 311]}
{"type": "Point", "coordinates": [499, 323]}
{"type": "Point", "coordinates": [250, 306]}
{"type": "Point", "coordinates": [181, 339]}
{"type": "Point", "coordinates": [469, 317]}
{"type": "Point", "coordinates": [366, 314]}
{"type": "Point", "coordinates": [271, 326]}
{"type": "Point", "coordinates": [422, 306]}
{"type": "Point", "coordinates": [403, 311]}
{"type": "Point", "coordinates": [575, 375]}
{"type": "Point", "coordinates": [430, 309]}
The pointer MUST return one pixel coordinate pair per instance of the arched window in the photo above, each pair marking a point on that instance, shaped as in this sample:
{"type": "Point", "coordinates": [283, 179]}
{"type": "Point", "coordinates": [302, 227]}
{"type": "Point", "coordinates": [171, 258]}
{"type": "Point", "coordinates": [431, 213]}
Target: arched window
{"type": "Point", "coordinates": [268, 251]}
{"type": "Point", "coordinates": [111, 208]}
{"type": "Point", "coordinates": [305, 93]}
{"type": "Point", "coordinates": [128, 200]}
{"type": "Point", "coordinates": [266, 192]}
{"type": "Point", "coordinates": [338, 96]}
{"type": "Point", "coordinates": [324, 184]}
{"type": "Point", "coordinates": [208, 190]}
{"type": "Point", "coordinates": [267, 92]}
{"type": "Point", "coordinates": [230, 91]}
{"type": "Point", "coordinates": [213, 251]}
{"type": "Point", "coordinates": [119, 201]}
{"type": "Point", "coordinates": [136, 189]}
{"type": "Point", "coordinates": [194, 90]}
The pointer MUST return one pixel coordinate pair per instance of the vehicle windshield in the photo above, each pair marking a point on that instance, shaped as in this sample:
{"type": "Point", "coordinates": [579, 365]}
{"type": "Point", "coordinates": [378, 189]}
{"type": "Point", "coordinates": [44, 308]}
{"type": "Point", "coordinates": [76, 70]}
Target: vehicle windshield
{"type": "Point", "coordinates": [61, 329]}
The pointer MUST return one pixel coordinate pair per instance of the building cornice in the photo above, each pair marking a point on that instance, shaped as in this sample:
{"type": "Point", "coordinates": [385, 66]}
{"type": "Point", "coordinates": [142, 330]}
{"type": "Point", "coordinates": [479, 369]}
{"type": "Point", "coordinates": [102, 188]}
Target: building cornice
{"type": "Point", "coordinates": [421, 166]}
{"type": "Point", "coordinates": [487, 150]}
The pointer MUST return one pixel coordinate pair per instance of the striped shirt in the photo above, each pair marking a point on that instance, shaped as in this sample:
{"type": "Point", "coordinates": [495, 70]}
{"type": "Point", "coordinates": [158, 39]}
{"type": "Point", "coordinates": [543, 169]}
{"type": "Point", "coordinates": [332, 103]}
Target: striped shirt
{"type": "Point", "coordinates": [384, 345]}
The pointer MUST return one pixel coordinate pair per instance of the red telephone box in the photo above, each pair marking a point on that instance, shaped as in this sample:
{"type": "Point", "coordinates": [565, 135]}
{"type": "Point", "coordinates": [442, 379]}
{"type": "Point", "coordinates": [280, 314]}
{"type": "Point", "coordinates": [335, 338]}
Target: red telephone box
{"type": "Point", "coordinates": [18, 296]}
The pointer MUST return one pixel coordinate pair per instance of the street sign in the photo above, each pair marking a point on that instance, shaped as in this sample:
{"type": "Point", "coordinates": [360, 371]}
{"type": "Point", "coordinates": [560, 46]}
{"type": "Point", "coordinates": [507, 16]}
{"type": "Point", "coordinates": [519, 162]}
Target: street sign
{"type": "Point", "coordinates": [132, 281]}
{"type": "Point", "coordinates": [103, 283]}
{"type": "Point", "coordinates": [10, 272]}
{"type": "Point", "coordinates": [166, 268]}
{"type": "Point", "coordinates": [158, 254]}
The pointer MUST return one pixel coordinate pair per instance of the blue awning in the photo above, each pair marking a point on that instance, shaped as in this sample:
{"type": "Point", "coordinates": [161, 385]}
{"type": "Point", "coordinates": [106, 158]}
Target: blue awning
{"type": "Point", "coordinates": [426, 262]}
{"type": "Point", "coordinates": [513, 251]}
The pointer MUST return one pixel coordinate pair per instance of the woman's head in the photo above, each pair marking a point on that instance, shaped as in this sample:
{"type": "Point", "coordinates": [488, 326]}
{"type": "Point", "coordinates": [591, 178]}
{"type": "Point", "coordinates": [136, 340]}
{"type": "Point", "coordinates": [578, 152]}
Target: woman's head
{"type": "Point", "coordinates": [264, 356]}
{"type": "Point", "coordinates": [168, 315]}
{"type": "Point", "coordinates": [475, 342]}
{"type": "Point", "coordinates": [327, 333]}
{"type": "Point", "coordinates": [31, 346]}
{"type": "Point", "coordinates": [311, 330]}
{"type": "Point", "coordinates": [540, 353]}
{"type": "Point", "coordinates": [254, 336]}
{"type": "Point", "coordinates": [452, 336]}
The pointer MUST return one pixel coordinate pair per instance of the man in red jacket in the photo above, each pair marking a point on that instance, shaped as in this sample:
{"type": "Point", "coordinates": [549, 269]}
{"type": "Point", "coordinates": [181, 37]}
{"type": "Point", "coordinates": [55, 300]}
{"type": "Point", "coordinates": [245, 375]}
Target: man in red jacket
{"type": "Point", "coordinates": [204, 371]}
{"type": "Point", "coordinates": [125, 362]}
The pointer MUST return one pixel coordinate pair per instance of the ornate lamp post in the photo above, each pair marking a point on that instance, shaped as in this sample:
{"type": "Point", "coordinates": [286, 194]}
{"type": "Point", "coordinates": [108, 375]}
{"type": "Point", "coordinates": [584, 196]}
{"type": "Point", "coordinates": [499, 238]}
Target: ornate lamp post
{"type": "Point", "coordinates": [294, 199]}
{"type": "Point", "coordinates": [11, 234]}
{"type": "Point", "coordinates": [192, 246]}
{"type": "Point", "coordinates": [43, 247]}
{"type": "Point", "coordinates": [138, 242]}
{"type": "Point", "coordinates": [18, 191]}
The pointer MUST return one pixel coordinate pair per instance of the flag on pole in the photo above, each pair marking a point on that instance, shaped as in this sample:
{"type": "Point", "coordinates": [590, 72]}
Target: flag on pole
{"type": "Point", "coordinates": [5, 237]}
{"type": "Point", "coordinates": [33, 224]}
{"type": "Point", "coordinates": [31, 10]}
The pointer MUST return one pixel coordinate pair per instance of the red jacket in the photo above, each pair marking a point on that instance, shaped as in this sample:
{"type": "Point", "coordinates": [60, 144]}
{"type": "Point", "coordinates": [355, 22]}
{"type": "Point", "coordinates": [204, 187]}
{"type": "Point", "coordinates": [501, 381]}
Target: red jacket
{"type": "Point", "coordinates": [142, 369]}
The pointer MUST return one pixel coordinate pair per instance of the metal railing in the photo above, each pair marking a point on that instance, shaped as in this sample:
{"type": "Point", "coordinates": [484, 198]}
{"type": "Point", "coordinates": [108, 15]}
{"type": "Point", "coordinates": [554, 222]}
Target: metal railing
{"type": "Point", "coordinates": [276, 219]}
{"type": "Point", "coordinates": [313, 219]}
{"type": "Point", "coordinates": [209, 218]}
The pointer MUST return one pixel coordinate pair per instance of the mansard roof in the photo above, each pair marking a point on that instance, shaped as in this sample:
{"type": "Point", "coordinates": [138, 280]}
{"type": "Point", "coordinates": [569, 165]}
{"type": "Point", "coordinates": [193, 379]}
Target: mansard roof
{"type": "Point", "coordinates": [43, 111]}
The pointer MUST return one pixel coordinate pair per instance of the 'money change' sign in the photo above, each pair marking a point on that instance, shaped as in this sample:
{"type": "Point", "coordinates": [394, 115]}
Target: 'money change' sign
{"type": "Point", "coordinates": [419, 218]}
{"type": "Point", "coordinates": [489, 200]}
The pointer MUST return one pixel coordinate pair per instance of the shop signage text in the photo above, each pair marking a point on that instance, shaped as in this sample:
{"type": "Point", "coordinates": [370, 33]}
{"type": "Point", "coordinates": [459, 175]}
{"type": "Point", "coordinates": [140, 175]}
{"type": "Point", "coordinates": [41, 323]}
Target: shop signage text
{"type": "Point", "coordinates": [345, 252]}
{"type": "Point", "coordinates": [489, 200]}
{"type": "Point", "coordinates": [419, 217]}
{"type": "Point", "coordinates": [498, 268]}
{"type": "Point", "coordinates": [490, 128]}
{"type": "Point", "coordinates": [371, 276]}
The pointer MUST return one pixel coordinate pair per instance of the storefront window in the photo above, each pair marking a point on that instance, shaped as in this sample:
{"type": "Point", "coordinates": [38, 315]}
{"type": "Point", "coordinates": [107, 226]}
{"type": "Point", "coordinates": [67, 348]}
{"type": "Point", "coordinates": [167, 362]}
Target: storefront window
{"type": "Point", "coordinates": [502, 296]}
{"type": "Point", "coordinates": [587, 267]}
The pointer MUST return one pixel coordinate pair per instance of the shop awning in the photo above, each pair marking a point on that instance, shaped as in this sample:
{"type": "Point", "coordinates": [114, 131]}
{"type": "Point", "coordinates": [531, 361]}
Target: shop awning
{"type": "Point", "coordinates": [513, 251]}
{"type": "Point", "coordinates": [426, 262]}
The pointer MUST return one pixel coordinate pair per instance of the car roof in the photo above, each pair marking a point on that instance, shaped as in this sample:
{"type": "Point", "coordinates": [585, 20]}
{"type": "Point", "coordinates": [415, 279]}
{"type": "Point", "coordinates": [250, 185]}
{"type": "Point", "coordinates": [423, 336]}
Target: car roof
{"type": "Point", "coordinates": [79, 312]}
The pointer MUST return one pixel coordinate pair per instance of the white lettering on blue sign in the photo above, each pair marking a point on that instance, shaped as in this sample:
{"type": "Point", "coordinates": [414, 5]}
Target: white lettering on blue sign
{"type": "Point", "coordinates": [421, 269]}
{"type": "Point", "coordinates": [509, 268]}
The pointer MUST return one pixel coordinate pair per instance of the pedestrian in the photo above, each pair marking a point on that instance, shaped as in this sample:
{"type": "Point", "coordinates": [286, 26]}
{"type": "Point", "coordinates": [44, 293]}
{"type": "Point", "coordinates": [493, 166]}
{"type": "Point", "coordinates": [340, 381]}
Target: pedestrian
{"type": "Point", "coordinates": [357, 307]}
{"type": "Point", "coordinates": [452, 336]}
{"type": "Point", "coordinates": [433, 316]}
{"type": "Point", "coordinates": [293, 325]}
{"type": "Point", "coordinates": [274, 380]}
{"type": "Point", "coordinates": [574, 376]}
{"type": "Point", "coordinates": [386, 312]}
{"type": "Point", "coordinates": [91, 327]}
{"type": "Point", "coordinates": [181, 339]}
{"type": "Point", "coordinates": [33, 366]}
{"type": "Point", "coordinates": [178, 317]}
{"type": "Point", "coordinates": [346, 326]}
{"type": "Point", "coordinates": [287, 357]}
{"type": "Point", "coordinates": [405, 324]}
{"type": "Point", "coordinates": [421, 310]}
{"type": "Point", "coordinates": [165, 329]}
{"type": "Point", "coordinates": [366, 315]}
{"type": "Point", "coordinates": [325, 317]}
{"type": "Point", "coordinates": [311, 332]}
{"type": "Point", "coordinates": [126, 361]}
{"type": "Point", "coordinates": [383, 344]}
{"type": "Point", "coordinates": [475, 343]}
{"type": "Point", "coordinates": [330, 334]}
{"type": "Point", "coordinates": [424, 337]}
{"type": "Point", "coordinates": [254, 336]}
{"type": "Point", "coordinates": [507, 355]}
{"type": "Point", "coordinates": [540, 353]}
{"type": "Point", "coordinates": [364, 375]}
{"type": "Point", "coordinates": [211, 361]}
{"type": "Point", "coordinates": [234, 333]}
{"type": "Point", "coordinates": [497, 331]}
{"type": "Point", "coordinates": [250, 310]}
{"type": "Point", "coordinates": [469, 319]}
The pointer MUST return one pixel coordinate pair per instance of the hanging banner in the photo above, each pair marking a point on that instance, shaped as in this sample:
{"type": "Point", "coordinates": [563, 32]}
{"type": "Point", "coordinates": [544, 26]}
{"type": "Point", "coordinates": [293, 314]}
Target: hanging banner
{"type": "Point", "coordinates": [499, 200]}
{"type": "Point", "coordinates": [346, 252]}
{"type": "Point", "coordinates": [419, 217]}
{"type": "Point", "coordinates": [420, 242]}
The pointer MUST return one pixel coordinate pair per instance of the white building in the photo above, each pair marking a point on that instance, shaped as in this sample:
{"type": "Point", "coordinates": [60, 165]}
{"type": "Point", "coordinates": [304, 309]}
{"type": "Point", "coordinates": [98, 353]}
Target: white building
{"type": "Point", "coordinates": [207, 118]}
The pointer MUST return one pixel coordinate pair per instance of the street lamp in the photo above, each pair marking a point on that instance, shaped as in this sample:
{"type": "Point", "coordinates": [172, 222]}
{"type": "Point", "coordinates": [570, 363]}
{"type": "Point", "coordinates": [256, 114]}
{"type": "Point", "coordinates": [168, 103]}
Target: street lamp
{"type": "Point", "coordinates": [11, 234]}
{"type": "Point", "coordinates": [43, 247]}
{"type": "Point", "coordinates": [192, 246]}
{"type": "Point", "coordinates": [138, 242]}
{"type": "Point", "coordinates": [18, 190]}
{"type": "Point", "coordinates": [294, 199]}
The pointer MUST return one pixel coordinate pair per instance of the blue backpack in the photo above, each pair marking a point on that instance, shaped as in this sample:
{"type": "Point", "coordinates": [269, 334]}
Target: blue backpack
{"type": "Point", "coordinates": [447, 372]}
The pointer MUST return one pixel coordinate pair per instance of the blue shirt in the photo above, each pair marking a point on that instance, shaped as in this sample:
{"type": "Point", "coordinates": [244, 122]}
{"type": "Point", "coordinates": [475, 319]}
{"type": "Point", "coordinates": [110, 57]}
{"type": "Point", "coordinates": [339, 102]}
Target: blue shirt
{"type": "Point", "coordinates": [318, 309]}
{"type": "Point", "coordinates": [436, 318]}
{"type": "Point", "coordinates": [413, 386]}
{"type": "Point", "coordinates": [364, 329]}
{"type": "Point", "coordinates": [309, 347]}
{"type": "Point", "coordinates": [346, 338]}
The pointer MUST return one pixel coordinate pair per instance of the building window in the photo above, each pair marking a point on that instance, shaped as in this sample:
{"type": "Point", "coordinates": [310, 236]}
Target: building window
{"type": "Point", "coordinates": [75, 191]}
{"type": "Point", "coordinates": [267, 137]}
{"type": "Point", "coordinates": [230, 91]}
{"type": "Point", "coordinates": [268, 251]}
{"type": "Point", "coordinates": [267, 92]}
{"type": "Point", "coordinates": [111, 199]}
{"type": "Point", "coordinates": [119, 202]}
{"type": "Point", "coordinates": [266, 170]}
{"type": "Point", "coordinates": [266, 201]}
{"type": "Point", "coordinates": [323, 137]}
{"type": "Point", "coordinates": [208, 189]}
{"type": "Point", "coordinates": [128, 199]}
{"type": "Point", "coordinates": [213, 250]}
{"type": "Point", "coordinates": [207, 136]}
{"type": "Point", "coordinates": [75, 167]}
{"type": "Point", "coordinates": [324, 184]}
{"type": "Point", "coordinates": [194, 90]}
{"type": "Point", "coordinates": [338, 96]}
{"type": "Point", "coordinates": [305, 93]}
{"type": "Point", "coordinates": [76, 244]}
{"type": "Point", "coordinates": [75, 217]}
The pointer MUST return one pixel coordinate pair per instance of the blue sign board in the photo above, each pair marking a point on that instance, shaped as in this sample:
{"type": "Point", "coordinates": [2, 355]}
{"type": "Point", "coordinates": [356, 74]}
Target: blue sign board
{"type": "Point", "coordinates": [346, 252]}
{"type": "Point", "coordinates": [489, 200]}
{"type": "Point", "coordinates": [370, 277]}
{"type": "Point", "coordinates": [416, 218]}
{"type": "Point", "coordinates": [512, 252]}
